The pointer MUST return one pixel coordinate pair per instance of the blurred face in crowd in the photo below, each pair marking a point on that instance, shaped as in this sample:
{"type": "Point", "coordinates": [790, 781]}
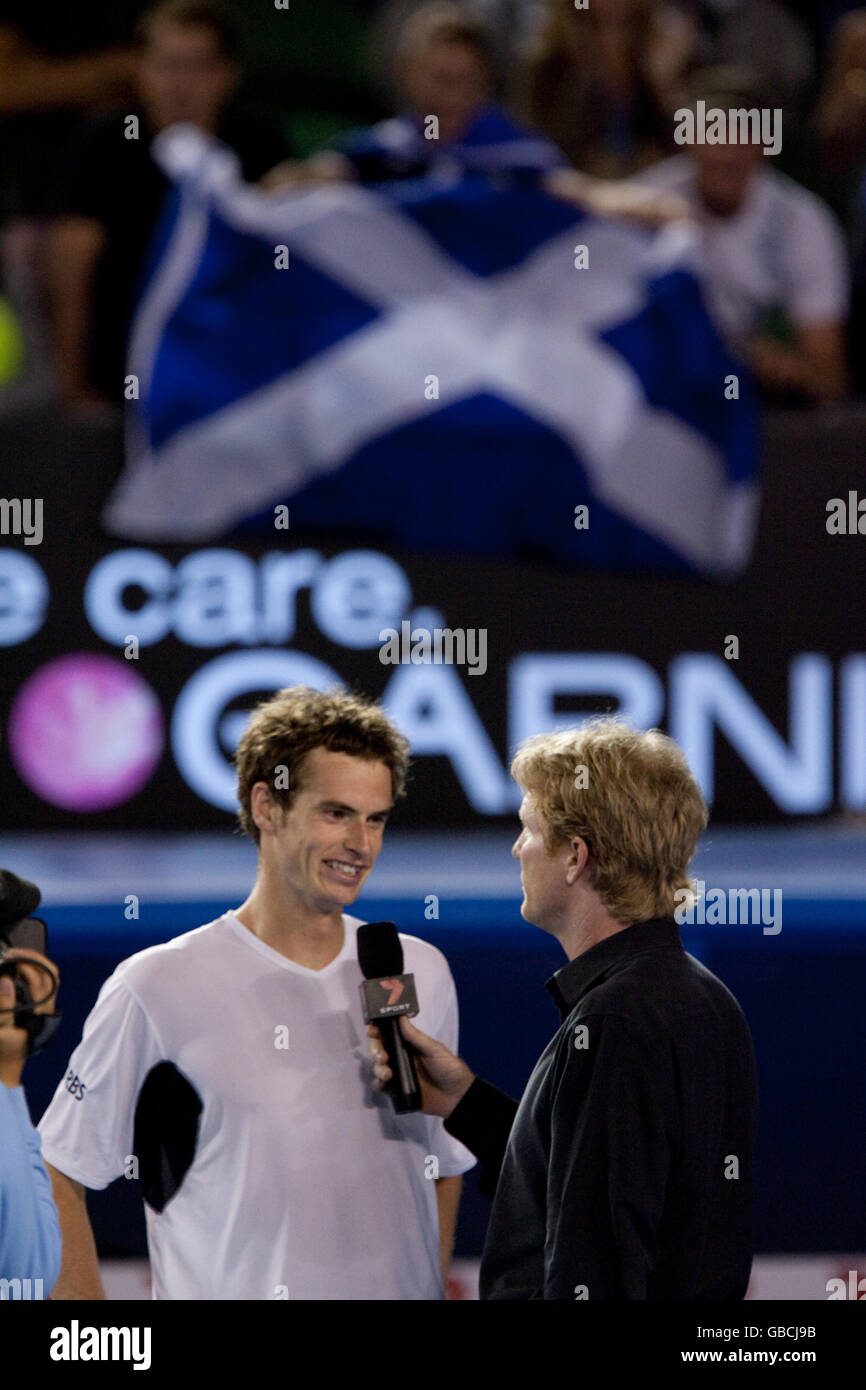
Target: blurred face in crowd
{"type": "Point", "coordinates": [618, 27]}
{"type": "Point", "coordinates": [448, 80]}
{"type": "Point", "coordinates": [183, 76]}
{"type": "Point", "coordinates": [724, 174]}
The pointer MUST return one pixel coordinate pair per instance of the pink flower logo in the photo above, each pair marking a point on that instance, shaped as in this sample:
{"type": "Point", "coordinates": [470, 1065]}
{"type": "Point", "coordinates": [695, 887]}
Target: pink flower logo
{"type": "Point", "coordinates": [85, 732]}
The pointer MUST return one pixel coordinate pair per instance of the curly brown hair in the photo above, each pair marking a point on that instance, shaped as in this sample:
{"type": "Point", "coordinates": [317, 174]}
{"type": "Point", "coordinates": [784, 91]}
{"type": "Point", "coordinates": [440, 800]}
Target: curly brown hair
{"type": "Point", "coordinates": [294, 721]}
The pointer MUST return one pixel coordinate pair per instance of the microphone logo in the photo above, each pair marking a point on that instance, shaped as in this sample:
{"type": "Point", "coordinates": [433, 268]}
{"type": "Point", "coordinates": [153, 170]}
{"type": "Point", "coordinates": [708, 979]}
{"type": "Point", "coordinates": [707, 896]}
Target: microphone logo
{"type": "Point", "coordinates": [387, 996]}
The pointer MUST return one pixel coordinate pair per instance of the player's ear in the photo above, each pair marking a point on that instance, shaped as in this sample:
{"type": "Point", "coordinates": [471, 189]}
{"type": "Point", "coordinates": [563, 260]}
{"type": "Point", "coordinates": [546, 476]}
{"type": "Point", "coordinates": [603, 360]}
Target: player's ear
{"type": "Point", "coordinates": [264, 808]}
{"type": "Point", "coordinates": [578, 857]}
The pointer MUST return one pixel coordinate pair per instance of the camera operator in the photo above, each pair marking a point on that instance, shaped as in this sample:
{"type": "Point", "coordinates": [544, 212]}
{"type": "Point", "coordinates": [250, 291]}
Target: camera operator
{"type": "Point", "coordinates": [29, 1228]}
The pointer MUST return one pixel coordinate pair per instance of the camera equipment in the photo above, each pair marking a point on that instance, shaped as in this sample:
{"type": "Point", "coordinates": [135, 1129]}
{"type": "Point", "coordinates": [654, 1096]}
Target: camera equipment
{"type": "Point", "coordinates": [18, 899]}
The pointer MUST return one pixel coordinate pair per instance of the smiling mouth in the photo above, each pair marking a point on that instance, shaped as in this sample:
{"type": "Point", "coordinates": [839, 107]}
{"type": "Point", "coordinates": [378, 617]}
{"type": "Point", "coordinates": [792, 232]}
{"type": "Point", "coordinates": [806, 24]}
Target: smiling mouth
{"type": "Point", "coordinates": [351, 873]}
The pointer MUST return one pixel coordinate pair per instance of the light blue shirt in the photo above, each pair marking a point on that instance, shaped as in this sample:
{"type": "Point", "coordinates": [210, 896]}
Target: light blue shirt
{"type": "Point", "coordinates": [29, 1225]}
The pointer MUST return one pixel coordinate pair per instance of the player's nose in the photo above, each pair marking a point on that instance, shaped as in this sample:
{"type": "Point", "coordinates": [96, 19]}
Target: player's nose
{"type": "Point", "coordinates": [358, 842]}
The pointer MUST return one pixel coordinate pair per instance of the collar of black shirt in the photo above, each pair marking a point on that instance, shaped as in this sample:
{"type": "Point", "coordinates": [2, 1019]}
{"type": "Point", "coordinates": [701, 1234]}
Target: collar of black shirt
{"type": "Point", "coordinates": [570, 983]}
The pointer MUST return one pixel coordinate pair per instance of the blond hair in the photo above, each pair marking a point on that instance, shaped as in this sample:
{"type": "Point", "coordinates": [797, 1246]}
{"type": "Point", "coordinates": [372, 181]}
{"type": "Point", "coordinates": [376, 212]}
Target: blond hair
{"type": "Point", "coordinates": [288, 726]}
{"type": "Point", "coordinates": [632, 797]}
{"type": "Point", "coordinates": [444, 22]}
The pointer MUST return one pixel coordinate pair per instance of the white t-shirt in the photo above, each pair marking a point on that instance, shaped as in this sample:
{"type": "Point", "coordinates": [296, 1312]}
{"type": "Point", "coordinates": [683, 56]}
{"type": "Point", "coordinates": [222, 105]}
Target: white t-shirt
{"type": "Point", "coordinates": [783, 248]}
{"type": "Point", "coordinates": [304, 1183]}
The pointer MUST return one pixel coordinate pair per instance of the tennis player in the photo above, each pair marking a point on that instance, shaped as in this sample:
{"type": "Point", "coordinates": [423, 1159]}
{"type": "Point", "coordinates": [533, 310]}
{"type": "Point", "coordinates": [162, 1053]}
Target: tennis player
{"type": "Point", "coordinates": [227, 1069]}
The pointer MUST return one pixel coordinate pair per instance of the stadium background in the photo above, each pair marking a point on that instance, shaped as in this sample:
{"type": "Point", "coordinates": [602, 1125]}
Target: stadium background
{"type": "Point", "coordinates": [171, 847]}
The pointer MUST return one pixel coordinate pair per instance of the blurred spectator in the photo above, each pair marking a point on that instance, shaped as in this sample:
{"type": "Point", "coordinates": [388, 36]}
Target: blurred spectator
{"type": "Point", "coordinates": [445, 75]}
{"type": "Point", "coordinates": [510, 23]}
{"type": "Point", "coordinates": [444, 65]}
{"type": "Point", "coordinates": [601, 81]}
{"type": "Point", "coordinates": [841, 110]}
{"type": "Point", "coordinates": [773, 256]}
{"type": "Point", "coordinates": [841, 130]}
{"type": "Point", "coordinates": [764, 36]}
{"type": "Point", "coordinates": [57, 62]}
{"type": "Point", "coordinates": [29, 1226]}
{"type": "Point", "coordinates": [110, 200]}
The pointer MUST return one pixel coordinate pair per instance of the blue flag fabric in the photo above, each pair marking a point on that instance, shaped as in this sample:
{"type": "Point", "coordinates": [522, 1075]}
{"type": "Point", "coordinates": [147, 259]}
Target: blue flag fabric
{"type": "Point", "coordinates": [492, 144]}
{"type": "Point", "coordinates": [457, 363]}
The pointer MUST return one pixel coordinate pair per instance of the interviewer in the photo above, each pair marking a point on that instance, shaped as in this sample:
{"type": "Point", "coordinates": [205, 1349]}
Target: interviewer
{"type": "Point", "coordinates": [626, 1169]}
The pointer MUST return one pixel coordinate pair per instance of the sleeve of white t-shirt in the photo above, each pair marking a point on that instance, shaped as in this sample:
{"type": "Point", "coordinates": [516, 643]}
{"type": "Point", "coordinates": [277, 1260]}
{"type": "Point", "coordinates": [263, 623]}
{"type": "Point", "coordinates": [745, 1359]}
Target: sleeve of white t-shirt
{"type": "Point", "coordinates": [817, 264]}
{"type": "Point", "coordinates": [87, 1130]}
{"type": "Point", "coordinates": [454, 1158]}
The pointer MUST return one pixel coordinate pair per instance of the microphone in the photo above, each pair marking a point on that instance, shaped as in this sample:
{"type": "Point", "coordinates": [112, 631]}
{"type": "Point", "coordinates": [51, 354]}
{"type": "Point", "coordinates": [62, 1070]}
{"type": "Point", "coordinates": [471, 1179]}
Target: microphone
{"type": "Point", "coordinates": [385, 994]}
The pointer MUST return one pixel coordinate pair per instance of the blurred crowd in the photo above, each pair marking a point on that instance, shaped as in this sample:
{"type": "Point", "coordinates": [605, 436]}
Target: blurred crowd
{"type": "Point", "coordinates": [579, 93]}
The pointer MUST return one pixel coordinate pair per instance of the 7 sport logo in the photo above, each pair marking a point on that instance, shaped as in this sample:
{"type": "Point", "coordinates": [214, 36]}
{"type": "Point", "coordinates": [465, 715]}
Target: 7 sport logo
{"type": "Point", "coordinates": [388, 996]}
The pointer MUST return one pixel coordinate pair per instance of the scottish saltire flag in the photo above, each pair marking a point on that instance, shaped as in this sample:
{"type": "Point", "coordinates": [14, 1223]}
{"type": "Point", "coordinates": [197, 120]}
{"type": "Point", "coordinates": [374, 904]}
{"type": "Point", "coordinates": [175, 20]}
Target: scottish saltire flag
{"type": "Point", "coordinates": [431, 369]}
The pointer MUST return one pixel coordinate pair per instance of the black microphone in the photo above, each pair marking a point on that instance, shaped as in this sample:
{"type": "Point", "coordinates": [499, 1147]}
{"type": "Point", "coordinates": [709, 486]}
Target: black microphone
{"type": "Point", "coordinates": [386, 993]}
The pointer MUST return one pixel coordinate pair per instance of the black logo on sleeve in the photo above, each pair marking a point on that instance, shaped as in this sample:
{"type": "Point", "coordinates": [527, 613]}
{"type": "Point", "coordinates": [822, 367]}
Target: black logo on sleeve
{"type": "Point", "coordinates": [74, 1085]}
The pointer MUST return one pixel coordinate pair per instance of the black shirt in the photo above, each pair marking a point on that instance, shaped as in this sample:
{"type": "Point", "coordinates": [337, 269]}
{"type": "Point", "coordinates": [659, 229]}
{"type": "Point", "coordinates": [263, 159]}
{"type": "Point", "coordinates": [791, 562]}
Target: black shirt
{"type": "Point", "coordinates": [628, 1171]}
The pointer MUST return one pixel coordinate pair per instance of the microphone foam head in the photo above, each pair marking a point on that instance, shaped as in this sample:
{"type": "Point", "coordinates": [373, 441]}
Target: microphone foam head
{"type": "Point", "coordinates": [18, 898]}
{"type": "Point", "coordinates": [379, 950]}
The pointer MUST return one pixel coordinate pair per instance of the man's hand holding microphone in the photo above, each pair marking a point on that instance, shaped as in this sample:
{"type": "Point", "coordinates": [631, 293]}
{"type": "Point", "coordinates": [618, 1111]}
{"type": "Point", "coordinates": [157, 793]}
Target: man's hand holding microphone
{"type": "Point", "coordinates": [425, 1075]}
{"type": "Point", "coordinates": [444, 1079]}
{"type": "Point", "coordinates": [418, 1072]}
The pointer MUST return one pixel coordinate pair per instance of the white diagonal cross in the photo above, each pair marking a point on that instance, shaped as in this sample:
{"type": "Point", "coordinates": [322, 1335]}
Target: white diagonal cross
{"type": "Point", "coordinates": [528, 335]}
